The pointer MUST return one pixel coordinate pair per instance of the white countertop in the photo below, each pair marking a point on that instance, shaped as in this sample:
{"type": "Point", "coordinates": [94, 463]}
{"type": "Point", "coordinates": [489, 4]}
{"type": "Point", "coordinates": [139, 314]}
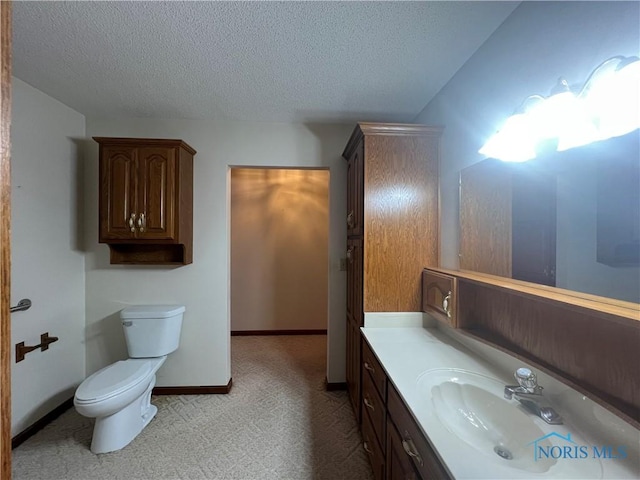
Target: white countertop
{"type": "Point", "coordinates": [406, 353]}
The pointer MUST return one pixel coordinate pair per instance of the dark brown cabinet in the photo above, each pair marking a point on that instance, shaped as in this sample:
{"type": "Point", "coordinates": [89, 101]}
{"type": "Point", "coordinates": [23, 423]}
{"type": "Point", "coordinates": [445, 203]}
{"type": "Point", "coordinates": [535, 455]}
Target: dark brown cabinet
{"type": "Point", "coordinates": [146, 200]}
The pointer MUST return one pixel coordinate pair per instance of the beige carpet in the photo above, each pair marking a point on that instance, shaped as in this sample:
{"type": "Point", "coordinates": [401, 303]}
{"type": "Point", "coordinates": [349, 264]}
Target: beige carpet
{"type": "Point", "coordinates": [278, 422]}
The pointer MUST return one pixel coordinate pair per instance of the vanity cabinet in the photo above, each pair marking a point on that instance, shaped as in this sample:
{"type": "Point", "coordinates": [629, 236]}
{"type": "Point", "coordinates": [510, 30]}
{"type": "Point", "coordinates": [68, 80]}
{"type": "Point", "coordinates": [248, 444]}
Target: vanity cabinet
{"type": "Point", "coordinates": [146, 200]}
{"type": "Point", "coordinates": [392, 226]}
{"type": "Point", "coordinates": [391, 438]}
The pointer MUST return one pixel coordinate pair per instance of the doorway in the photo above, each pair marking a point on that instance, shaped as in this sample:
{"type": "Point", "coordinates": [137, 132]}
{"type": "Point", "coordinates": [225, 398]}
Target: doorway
{"type": "Point", "coordinates": [279, 250]}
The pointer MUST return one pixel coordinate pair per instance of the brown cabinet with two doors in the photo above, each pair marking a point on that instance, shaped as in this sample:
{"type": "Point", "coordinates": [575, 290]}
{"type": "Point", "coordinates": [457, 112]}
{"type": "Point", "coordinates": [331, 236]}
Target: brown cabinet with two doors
{"type": "Point", "coordinates": [392, 226]}
{"type": "Point", "coordinates": [146, 200]}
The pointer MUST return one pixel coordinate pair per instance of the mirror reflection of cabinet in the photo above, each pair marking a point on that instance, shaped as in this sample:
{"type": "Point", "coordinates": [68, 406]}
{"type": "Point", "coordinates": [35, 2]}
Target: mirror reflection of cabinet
{"type": "Point", "coordinates": [508, 221]}
{"type": "Point", "coordinates": [511, 212]}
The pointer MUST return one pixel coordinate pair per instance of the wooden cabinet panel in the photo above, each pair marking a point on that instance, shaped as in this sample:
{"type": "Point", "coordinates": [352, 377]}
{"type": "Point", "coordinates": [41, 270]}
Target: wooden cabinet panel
{"type": "Point", "coordinates": [146, 200]}
{"type": "Point", "coordinates": [118, 167]}
{"type": "Point", "coordinates": [440, 296]}
{"type": "Point", "coordinates": [157, 179]}
{"type": "Point", "coordinates": [401, 234]}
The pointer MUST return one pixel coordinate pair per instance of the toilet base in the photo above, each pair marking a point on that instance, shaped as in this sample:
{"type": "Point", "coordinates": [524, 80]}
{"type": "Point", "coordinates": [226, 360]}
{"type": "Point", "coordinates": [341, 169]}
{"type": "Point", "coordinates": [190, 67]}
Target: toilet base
{"type": "Point", "coordinates": [116, 431]}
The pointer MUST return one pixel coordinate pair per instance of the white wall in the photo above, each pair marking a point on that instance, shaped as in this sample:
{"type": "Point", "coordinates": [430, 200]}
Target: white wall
{"type": "Point", "coordinates": [46, 252]}
{"type": "Point", "coordinates": [203, 287]}
{"type": "Point", "coordinates": [538, 43]}
{"type": "Point", "coordinates": [279, 249]}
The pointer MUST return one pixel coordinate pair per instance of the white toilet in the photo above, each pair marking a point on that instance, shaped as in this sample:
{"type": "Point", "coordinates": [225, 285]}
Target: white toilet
{"type": "Point", "coordinates": [119, 396]}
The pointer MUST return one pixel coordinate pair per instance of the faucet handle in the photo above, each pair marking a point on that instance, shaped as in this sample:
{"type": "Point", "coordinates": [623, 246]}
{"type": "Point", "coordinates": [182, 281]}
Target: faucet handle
{"type": "Point", "coordinates": [527, 379]}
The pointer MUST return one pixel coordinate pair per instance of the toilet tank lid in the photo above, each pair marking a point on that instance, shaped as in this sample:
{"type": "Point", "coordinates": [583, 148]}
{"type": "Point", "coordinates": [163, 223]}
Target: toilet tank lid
{"type": "Point", "coordinates": [151, 311]}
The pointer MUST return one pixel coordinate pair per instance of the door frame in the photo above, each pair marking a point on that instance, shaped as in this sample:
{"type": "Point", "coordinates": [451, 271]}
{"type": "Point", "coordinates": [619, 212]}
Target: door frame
{"type": "Point", "coordinates": [5, 240]}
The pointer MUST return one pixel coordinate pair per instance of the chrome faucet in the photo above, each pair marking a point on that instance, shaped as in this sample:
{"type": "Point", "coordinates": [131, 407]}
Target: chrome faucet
{"type": "Point", "coordinates": [529, 394]}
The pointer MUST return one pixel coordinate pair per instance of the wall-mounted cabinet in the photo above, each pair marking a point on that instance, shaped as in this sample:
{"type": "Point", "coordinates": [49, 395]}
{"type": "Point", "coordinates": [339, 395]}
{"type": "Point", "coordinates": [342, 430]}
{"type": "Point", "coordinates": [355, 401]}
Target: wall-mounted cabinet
{"type": "Point", "coordinates": [439, 296]}
{"type": "Point", "coordinates": [146, 200]}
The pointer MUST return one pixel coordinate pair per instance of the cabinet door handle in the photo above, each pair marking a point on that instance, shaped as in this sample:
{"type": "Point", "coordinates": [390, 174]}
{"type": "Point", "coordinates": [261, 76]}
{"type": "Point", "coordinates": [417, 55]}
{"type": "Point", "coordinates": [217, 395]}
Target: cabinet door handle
{"type": "Point", "coordinates": [446, 304]}
{"type": "Point", "coordinates": [132, 220]}
{"type": "Point", "coordinates": [369, 367]}
{"type": "Point", "coordinates": [365, 445]}
{"type": "Point", "coordinates": [410, 449]}
{"type": "Point", "coordinates": [142, 223]}
{"type": "Point", "coordinates": [368, 404]}
{"type": "Point", "coordinates": [350, 222]}
{"type": "Point", "coordinates": [350, 254]}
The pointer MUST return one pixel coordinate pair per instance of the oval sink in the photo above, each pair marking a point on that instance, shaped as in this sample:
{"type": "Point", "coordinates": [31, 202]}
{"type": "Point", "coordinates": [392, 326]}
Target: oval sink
{"type": "Point", "coordinates": [471, 407]}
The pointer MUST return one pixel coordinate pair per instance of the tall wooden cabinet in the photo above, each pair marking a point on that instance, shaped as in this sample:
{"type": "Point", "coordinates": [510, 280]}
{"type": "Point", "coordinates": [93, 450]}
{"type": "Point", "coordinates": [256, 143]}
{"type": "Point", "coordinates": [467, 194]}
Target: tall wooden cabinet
{"type": "Point", "coordinates": [146, 200]}
{"type": "Point", "coordinates": [392, 226]}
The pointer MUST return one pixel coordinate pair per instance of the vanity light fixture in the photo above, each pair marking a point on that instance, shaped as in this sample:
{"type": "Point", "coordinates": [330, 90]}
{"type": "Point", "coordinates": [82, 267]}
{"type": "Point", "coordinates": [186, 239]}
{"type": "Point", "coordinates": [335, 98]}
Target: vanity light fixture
{"type": "Point", "coordinates": [607, 106]}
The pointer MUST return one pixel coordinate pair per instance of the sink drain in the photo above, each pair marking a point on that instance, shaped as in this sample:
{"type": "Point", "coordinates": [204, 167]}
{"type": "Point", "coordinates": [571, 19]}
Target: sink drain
{"type": "Point", "coordinates": [503, 452]}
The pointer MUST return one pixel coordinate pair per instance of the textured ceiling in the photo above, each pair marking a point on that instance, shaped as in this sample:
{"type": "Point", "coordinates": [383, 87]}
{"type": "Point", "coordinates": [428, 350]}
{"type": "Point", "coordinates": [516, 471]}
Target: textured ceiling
{"type": "Point", "coordinates": [264, 61]}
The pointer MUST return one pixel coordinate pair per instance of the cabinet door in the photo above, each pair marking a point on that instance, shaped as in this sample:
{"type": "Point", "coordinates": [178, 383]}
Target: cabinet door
{"type": "Point", "coordinates": [353, 372]}
{"type": "Point", "coordinates": [157, 193]}
{"type": "Point", "coordinates": [118, 170]}
{"type": "Point", "coordinates": [440, 296]}
{"type": "Point", "coordinates": [399, 465]}
{"type": "Point", "coordinates": [355, 192]}
{"type": "Point", "coordinates": [354, 281]}
{"type": "Point", "coordinates": [410, 445]}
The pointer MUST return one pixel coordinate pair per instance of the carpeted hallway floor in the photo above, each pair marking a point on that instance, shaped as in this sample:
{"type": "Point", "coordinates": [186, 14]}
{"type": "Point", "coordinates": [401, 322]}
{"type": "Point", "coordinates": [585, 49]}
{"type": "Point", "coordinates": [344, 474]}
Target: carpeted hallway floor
{"type": "Point", "coordinates": [278, 422]}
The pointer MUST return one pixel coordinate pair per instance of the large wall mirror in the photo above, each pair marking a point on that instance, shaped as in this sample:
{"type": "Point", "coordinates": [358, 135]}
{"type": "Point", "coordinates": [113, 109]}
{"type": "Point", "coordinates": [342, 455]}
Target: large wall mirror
{"type": "Point", "coordinates": [567, 219]}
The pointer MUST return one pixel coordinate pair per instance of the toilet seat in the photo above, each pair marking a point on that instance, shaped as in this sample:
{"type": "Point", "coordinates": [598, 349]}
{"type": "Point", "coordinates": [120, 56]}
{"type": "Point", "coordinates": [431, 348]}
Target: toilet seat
{"type": "Point", "coordinates": [116, 379]}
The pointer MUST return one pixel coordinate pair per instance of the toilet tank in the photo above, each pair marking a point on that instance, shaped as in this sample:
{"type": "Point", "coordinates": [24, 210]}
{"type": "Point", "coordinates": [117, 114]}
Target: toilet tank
{"type": "Point", "coordinates": [152, 330]}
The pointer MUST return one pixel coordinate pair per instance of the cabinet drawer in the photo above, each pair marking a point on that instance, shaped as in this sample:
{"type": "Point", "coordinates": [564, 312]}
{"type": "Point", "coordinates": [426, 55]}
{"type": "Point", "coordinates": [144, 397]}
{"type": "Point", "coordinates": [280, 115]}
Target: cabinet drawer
{"type": "Point", "coordinates": [413, 441]}
{"type": "Point", "coordinates": [439, 297]}
{"type": "Point", "coordinates": [375, 408]}
{"type": "Point", "coordinates": [373, 450]}
{"type": "Point", "coordinates": [371, 365]}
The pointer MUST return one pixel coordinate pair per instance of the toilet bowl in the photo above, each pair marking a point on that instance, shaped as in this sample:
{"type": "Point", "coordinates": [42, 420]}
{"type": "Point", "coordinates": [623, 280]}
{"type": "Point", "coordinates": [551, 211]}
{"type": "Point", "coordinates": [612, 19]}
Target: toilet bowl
{"type": "Point", "coordinates": [119, 395]}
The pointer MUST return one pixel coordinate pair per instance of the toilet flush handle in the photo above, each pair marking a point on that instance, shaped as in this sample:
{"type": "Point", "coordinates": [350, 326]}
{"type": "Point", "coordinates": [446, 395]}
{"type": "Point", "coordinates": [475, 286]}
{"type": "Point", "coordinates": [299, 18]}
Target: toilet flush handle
{"type": "Point", "coordinates": [127, 323]}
